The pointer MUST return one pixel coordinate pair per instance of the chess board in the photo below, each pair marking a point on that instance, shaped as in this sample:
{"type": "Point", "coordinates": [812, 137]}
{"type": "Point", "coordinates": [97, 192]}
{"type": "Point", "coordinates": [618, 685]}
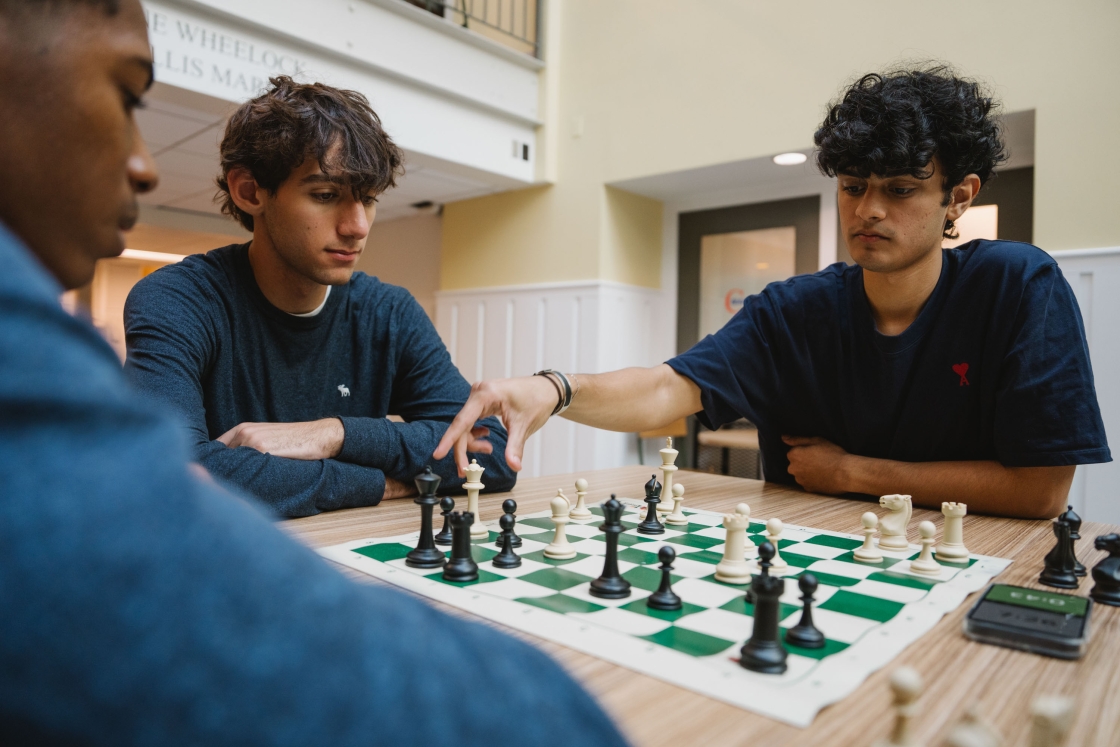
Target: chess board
{"type": "Point", "coordinates": [869, 613]}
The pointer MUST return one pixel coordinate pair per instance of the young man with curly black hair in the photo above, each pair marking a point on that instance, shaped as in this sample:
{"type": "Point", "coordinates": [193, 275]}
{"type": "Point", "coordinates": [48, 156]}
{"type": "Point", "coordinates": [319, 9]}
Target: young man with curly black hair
{"type": "Point", "coordinates": [951, 375]}
{"type": "Point", "coordinates": [284, 361]}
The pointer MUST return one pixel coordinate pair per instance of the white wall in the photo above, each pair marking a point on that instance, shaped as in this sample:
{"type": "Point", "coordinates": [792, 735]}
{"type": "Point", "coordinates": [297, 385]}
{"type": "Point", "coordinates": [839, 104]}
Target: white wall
{"type": "Point", "coordinates": [442, 92]}
{"type": "Point", "coordinates": [581, 327]}
{"type": "Point", "coordinates": [1094, 275]}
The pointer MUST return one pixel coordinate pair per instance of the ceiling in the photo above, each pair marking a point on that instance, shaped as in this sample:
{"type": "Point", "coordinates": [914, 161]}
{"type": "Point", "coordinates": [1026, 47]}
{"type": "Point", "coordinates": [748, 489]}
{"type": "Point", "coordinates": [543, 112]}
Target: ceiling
{"type": "Point", "coordinates": [183, 132]}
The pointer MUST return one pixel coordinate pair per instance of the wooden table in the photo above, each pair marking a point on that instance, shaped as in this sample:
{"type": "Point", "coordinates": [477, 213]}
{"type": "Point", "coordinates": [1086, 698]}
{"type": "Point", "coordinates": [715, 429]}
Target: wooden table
{"type": "Point", "coordinates": [957, 672]}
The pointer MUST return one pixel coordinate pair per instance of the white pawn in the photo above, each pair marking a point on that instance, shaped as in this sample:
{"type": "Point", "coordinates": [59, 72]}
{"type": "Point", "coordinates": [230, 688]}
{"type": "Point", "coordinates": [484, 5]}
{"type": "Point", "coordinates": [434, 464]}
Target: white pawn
{"type": "Point", "coordinates": [677, 518]}
{"type": "Point", "coordinates": [1051, 720]}
{"type": "Point", "coordinates": [952, 546]}
{"type": "Point", "coordinates": [734, 569]}
{"type": "Point", "coordinates": [774, 535]}
{"type": "Point", "coordinates": [869, 553]}
{"type": "Point", "coordinates": [580, 510]}
{"type": "Point", "coordinates": [560, 548]}
{"type": "Point", "coordinates": [906, 684]}
{"type": "Point", "coordinates": [473, 484]}
{"type": "Point", "coordinates": [924, 563]}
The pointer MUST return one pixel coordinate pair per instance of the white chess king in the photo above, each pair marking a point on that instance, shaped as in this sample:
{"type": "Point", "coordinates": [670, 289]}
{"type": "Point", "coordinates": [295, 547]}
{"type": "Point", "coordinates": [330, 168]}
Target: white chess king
{"type": "Point", "coordinates": [474, 474]}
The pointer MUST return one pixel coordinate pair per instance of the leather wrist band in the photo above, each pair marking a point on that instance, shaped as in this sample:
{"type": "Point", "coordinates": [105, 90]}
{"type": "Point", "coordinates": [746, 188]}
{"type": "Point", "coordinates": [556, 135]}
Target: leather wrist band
{"type": "Point", "coordinates": [563, 389]}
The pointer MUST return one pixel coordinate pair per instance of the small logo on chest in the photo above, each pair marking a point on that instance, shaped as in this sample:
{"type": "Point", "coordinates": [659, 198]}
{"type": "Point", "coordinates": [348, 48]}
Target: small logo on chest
{"type": "Point", "coordinates": [960, 369]}
{"type": "Point", "coordinates": [346, 392]}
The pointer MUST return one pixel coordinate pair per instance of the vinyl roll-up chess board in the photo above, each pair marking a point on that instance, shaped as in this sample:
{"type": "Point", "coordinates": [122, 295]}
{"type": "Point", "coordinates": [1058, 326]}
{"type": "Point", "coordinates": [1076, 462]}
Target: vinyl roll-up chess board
{"type": "Point", "coordinates": [868, 613]}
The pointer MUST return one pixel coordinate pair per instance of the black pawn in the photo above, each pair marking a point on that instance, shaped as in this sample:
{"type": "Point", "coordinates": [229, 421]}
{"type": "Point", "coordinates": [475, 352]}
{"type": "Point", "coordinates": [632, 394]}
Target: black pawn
{"type": "Point", "coordinates": [1074, 522]}
{"type": "Point", "coordinates": [611, 585]}
{"type": "Point", "coordinates": [651, 525]}
{"type": "Point", "coordinates": [426, 554]}
{"type": "Point", "coordinates": [509, 507]}
{"type": "Point", "coordinates": [461, 566]}
{"type": "Point", "coordinates": [446, 506]}
{"type": "Point", "coordinates": [805, 634]}
{"type": "Point", "coordinates": [507, 558]}
{"type": "Point", "coordinates": [1106, 574]}
{"type": "Point", "coordinates": [1058, 571]}
{"type": "Point", "coordinates": [664, 598]}
{"type": "Point", "coordinates": [764, 652]}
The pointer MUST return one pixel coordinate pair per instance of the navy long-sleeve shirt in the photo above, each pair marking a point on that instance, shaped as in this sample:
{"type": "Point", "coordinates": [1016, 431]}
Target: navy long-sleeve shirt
{"type": "Point", "coordinates": [202, 336]}
{"type": "Point", "coordinates": [143, 606]}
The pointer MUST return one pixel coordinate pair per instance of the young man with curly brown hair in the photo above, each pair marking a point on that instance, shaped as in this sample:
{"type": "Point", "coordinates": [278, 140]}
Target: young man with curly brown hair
{"type": "Point", "coordinates": [951, 375]}
{"type": "Point", "coordinates": [284, 361]}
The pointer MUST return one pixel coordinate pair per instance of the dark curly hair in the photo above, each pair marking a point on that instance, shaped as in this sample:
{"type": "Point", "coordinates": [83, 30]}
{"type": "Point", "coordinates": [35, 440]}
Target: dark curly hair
{"type": "Point", "coordinates": [272, 134]}
{"type": "Point", "coordinates": [896, 122]}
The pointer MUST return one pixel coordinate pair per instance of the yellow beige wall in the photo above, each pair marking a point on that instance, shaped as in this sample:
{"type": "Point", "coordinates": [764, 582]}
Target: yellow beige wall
{"type": "Point", "coordinates": [638, 87]}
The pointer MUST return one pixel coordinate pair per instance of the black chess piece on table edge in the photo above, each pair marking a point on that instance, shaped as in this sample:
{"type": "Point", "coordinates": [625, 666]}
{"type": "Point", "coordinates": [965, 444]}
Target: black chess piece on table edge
{"type": "Point", "coordinates": [507, 558]}
{"type": "Point", "coordinates": [461, 566]}
{"type": "Point", "coordinates": [446, 506]}
{"type": "Point", "coordinates": [509, 506]}
{"type": "Point", "coordinates": [665, 598]}
{"type": "Point", "coordinates": [1106, 574]}
{"type": "Point", "coordinates": [1074, 521]}
{"type": "Point", "coordinates": [611, 585]}
{"type": "Point", "coordinates": [805, 634]}
{"type": "Point", "coordinates": [651, 524]}
{"type": "Point", "coordinates": [764, 652]}
{"type": "Point", "coordinates": [426, 554]}
{"type": "Point", "coordinates": [1058, 569]}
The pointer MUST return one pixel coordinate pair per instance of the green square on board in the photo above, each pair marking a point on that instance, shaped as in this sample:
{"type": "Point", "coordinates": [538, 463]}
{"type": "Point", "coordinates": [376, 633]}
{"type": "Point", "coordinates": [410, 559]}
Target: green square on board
{"type": "Point", "coordinates": [645, 578]}
{"type": "Point", "coordinates": [562, 603]}
{"type": "Point", "coordinates": [713, 580]}
{"type": "Point", "coordinates": [830, 647]}
{"type": "Point", "coordinates": [860, 605]}
{"type": "Point", "coordinates": [484, 577]}
{"type": "Point", "coordinates": [626, 540]}
{"type": "Point", "coordinates": [490, 537]}
{"type": "Point", "coordinates": [758, 539]}
{"type": "Point", "coordinates": [840, 543]}
{"type": "Point", "coordinates": [640, 607]}
{"type": "Point", "coordinates": [830, 579]}
{"type": "Point", "coordinates": [689, 642]}
{"type": "Point", "coordinates": [885, 563]}
{"type": "Point", "coordinates": [556, 579]}
{"type": "Point", "coordinates": [637, 555]}
{"type": "Point", "coordinates": [798, 561]}
{"type": "Point", "coordinates": [538, 555]}
{"type": "Point", "coordinates": [384, 552]}
{"type": "Point", "coordinates": [695, 540]}
{"type": "Point", "coordinates": [481, 553]}
{"type": "Point", "coordinates": [902, 579]}
{"type": "Point", "coordinates": [705, 556]}
{"type": "Point", "coordinates": [739, 604]}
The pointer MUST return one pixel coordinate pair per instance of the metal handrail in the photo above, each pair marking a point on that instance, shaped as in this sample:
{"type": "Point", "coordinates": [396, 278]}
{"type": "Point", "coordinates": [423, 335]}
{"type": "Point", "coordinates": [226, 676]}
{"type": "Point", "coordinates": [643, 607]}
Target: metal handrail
{"type": "Point", "coordinates": [516, 23]}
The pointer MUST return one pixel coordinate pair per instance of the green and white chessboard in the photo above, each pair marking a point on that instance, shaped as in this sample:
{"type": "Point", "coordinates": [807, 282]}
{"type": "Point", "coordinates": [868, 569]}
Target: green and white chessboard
{"type": "Point", "coordinates": [868, 613]}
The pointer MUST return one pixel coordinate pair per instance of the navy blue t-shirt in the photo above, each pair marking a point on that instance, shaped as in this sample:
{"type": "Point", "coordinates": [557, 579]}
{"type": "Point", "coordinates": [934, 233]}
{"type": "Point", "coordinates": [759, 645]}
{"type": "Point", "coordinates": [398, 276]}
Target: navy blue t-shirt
{"type": "Point", "coordinates": [995, 367]}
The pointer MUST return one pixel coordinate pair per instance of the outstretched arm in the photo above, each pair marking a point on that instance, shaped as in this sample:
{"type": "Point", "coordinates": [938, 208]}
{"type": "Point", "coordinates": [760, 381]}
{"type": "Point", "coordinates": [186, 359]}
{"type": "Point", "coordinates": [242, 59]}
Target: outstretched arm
{"type": "Point", "coordinates": [987, 487]}
{"type": "Point", "coordinates": [628, 400]}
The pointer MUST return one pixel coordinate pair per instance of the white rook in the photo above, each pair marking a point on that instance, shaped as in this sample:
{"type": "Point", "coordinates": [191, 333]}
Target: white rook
{"type": "Point", "coordinates": [734, 568]}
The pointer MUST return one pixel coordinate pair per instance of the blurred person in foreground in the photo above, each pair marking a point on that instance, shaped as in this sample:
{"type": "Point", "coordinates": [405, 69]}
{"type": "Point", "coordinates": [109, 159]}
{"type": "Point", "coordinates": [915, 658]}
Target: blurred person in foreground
{"type": "Point", "coordinates": [948, 374]}
{"type": "Point", "coordinates": [141, 604]}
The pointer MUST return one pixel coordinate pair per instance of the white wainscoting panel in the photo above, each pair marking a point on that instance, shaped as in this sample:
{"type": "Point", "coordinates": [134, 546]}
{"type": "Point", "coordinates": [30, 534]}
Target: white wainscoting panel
{"type": "Point", "coordinates": [1094, 275]}
{"type": "Point", "coordinates": [578, 327]}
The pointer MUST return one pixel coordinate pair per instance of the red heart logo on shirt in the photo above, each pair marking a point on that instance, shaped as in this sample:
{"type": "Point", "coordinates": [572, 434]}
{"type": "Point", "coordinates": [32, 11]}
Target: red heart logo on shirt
{"type": "Point", "coordinates": [960, 369]}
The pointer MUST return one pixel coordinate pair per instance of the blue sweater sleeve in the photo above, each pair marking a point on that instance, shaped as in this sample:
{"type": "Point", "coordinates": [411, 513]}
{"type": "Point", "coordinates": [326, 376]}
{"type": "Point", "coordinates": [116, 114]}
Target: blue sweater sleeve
{"type": "Point", "coordinates": [143, 606]}
{"type": "Point", "coordinates": [428, 392]}
{"type": "Point", "coordinates": [172, 336]}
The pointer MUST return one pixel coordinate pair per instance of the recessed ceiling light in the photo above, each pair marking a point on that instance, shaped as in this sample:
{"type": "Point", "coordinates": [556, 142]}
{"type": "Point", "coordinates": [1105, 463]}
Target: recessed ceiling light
{"type": "Point", "coordinates": [790, 159]}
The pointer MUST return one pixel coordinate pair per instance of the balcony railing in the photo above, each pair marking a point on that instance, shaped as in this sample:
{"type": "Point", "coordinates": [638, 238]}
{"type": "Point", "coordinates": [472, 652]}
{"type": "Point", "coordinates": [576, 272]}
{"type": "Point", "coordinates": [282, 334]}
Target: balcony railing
{"type": "Point", "coordinates": [513, 23]}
